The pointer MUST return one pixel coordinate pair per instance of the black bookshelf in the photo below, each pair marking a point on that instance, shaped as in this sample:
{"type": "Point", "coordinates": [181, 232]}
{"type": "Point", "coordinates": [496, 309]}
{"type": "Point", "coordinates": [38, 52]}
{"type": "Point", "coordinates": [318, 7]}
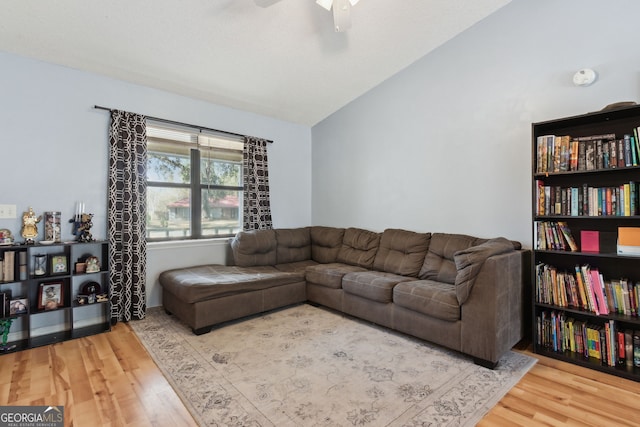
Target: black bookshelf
{"type": "Point", "coordinates": [607, 261]}
{"type": "Point", "coordinates": [22, 280]}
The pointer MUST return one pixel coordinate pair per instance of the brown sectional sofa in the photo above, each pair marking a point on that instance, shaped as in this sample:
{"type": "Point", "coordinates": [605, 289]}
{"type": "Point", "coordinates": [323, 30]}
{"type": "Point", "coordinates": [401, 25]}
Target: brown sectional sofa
{"type": "Point", "coordinates": [454, 290]}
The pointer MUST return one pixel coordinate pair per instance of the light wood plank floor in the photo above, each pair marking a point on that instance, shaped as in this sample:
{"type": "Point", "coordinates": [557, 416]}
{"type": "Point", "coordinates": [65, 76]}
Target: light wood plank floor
{"type": "Point", "coordinates": [110, 380]}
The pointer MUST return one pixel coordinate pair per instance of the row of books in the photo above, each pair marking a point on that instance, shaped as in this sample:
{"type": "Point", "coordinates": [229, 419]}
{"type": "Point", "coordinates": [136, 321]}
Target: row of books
{"type": "Point", "coordinates": [563, 153]}
{"type": "Point", "coordinates": [8, 266]}
{"type": "Point", "coordinates": [586, 289]}
{"type": "Point", "coordinates": [620, 200]}
{"type": "Point", "coordinates": [552, 235]}
{"type": "Point", "coordinates": [607, 342]}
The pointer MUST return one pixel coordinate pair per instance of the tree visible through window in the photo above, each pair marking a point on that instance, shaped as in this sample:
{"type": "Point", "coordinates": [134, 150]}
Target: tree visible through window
{"type": "Point", "coordinates": [194, 183]}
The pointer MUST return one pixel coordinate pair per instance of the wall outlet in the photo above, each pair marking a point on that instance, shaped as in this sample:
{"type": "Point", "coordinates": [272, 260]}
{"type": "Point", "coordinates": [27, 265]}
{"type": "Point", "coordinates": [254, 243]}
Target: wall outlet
{"type": "Point", "coordinates": [8, 212]}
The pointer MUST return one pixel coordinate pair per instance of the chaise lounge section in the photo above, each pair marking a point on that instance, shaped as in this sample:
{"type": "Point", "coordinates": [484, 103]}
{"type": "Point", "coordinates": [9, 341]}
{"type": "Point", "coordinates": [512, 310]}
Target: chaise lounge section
{"type": "Point", "coordinates": [458, 291]}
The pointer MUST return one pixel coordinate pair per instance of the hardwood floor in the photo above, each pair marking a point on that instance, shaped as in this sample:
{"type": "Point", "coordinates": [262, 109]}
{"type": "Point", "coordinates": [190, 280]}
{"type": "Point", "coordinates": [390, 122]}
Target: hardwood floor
{"type": "Point", "coordinates": [110, 380]}
{"type": "Point", "coordinates": [102, 380]}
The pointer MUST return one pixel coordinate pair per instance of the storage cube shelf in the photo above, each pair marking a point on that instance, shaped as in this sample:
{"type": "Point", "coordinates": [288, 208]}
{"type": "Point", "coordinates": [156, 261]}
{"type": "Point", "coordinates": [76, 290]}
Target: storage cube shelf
{"type": "Point", "coordinates": [585, 304]}
{"type": "Point", "coordinates": [44, 283]}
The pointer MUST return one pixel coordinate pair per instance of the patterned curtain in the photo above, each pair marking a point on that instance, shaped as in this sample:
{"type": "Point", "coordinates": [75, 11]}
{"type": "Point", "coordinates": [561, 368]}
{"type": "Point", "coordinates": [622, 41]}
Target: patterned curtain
{"type": "Point", "coordinates": [127, 215]}
{"type": "Point", "coordinates": [257, 207]}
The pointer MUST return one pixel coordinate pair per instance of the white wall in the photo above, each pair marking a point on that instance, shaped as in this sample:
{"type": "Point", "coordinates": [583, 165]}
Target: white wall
{"type": "Point", "coordinates": [55, 152]}
{"type": "Point", "coordinates": [445, 145]}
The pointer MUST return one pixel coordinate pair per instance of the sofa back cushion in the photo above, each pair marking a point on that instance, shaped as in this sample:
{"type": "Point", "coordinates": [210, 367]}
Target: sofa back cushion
{"type": "Point", "coordinates": [253, 248]}
{"type": "Point", "coordinates": [326, 243]}
{"type": "Point", "coordinates": [439, 264]}
{"type": "Point", "coordinates": [359, 247]}
{"type": "Point", "coordinates": [294, 245]}
{"type": "Point", "coordinates": [401, 252]}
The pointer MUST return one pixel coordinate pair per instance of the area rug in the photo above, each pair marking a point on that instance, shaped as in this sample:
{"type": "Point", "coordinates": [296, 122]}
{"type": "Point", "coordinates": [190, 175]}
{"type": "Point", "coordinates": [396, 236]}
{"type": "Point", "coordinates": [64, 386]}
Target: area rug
{"type": "Point", "coordinates": [308, 366]}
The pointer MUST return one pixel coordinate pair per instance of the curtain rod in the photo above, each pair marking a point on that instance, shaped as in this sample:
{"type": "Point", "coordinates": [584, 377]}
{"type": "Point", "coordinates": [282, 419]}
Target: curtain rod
{"type": "Point", "coordinates": [173, 122]}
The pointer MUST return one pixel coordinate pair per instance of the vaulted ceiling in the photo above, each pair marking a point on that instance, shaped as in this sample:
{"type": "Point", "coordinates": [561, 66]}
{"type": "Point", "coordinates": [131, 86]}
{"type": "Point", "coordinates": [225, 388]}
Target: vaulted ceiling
{"type": "Point", "coordinates": [279, 58]}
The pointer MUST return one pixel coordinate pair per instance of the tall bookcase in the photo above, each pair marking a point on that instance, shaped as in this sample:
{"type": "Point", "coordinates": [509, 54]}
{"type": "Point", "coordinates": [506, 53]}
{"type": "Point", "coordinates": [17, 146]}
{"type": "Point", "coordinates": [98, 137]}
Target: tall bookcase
{"type": "Point", "coordinates": [31, 271]}
{"type": "Point", "coordinates": [583, 191]}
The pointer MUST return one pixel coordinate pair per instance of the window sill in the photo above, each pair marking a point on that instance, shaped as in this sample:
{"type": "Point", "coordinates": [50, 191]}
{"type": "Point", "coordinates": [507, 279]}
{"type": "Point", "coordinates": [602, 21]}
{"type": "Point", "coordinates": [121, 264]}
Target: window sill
{"type": "Point", "coordinates": [175, 244]}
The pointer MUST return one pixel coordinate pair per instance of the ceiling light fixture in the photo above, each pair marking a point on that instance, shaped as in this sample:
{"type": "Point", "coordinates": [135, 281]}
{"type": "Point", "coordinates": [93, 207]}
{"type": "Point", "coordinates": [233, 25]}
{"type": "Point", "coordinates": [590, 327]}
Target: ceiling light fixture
{"type": "Point", "coordinates": [341, 12]}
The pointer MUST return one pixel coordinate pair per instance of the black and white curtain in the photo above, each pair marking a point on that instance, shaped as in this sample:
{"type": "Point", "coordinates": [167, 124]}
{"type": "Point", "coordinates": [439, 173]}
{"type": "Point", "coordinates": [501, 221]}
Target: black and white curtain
{"type": "Point", "coordinates": [257, 207]}
{"type": "Point", "coordinates": [127, 215]}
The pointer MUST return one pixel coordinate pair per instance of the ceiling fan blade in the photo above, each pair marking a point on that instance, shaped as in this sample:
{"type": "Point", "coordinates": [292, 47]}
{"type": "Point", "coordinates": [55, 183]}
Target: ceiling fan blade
{"type": "Point", "coordinates": [325, 3]}
{"type": "Point", "coordinates": [341, 15]}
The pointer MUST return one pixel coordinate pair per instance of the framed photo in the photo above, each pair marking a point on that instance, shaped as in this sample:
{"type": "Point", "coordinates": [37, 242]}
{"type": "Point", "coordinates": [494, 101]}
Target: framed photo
{"type": "Point", "coordinates": [93, 264]}
{"type": "Point", "coordinates": [19, 306]}
{"type": "Point", "coordinates": [59, 264]}
{"type": "Point", "coordinates": [50, 295]}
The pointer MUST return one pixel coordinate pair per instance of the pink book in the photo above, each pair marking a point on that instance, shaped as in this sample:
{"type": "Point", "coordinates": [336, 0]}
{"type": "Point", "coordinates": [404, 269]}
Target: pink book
{"type": "Point", "coordinates": [597, 287]}
{"type": "Point", "coordinates": [590, 241]}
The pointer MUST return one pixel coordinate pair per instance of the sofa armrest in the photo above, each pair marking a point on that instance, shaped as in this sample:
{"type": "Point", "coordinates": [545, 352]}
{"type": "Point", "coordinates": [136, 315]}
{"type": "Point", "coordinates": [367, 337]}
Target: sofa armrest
{"type": "Point", "coordinates": [492, 316]}
{"type": "Point", "coordinates": [469, 262]}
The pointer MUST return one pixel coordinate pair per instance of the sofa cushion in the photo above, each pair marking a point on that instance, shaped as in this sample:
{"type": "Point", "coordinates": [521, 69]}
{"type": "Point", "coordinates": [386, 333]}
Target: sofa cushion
{"type": "Point", "coordinates": [438, 264]}
{"type": "Point", "coordinates": [296, 267]}
{"type": "Point", "coordinates": [373, 285]}
{"type": "Point", "coordinates": [199, 283]}
{"type": "Point", "coordinates": [329, 275]}
{"type": "Point", "coordinates": [325, 243]}
{"type": "Point", "coordinates": [359, 247]}
{"type": "Point", "coordinates": [469, 263]}
{"type": "Point", "coordinates": [401, 252]}
{"type": "Point", "coordinates": [254, 248]}
{"type": "Point", "coordinates": [435, 299]}
{"type": "Point", "coordinates": [293, 245]}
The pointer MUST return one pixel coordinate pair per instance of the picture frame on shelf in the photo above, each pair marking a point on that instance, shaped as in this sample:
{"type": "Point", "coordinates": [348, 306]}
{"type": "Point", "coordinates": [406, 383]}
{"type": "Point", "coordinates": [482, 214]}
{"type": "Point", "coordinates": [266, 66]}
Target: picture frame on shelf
{"type": "Point", "coordinates": [50, 295]}
{"type": "Point", "coordinates": [93, 264]}
{"type": "Point", "coordinates": [18, 306]}
{"type": "Point", "coordinates": [59, 264]}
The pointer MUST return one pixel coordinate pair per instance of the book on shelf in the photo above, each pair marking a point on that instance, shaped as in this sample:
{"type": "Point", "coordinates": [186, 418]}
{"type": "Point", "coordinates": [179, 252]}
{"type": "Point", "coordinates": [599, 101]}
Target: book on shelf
{"type": "Point", "coordinates": [636, 349]}
{"type": "Point", "coordinates": [628, 241]}
{"type": "Point", "coordinates": [22, 265]}
{"type": "Point", "coordinates": [597, 284]}
{"type": "Point", "coordinates": [590, 241]}
{"type": "Point", "coordinates": [603, 342]}
{"type": "Point", "coordinates": [563, 153]}
{"type": "Point", "coordinates": [587, 289]}
{"type": "Point", "coordinates": [552, 235]}
{"type": "Point", "coordinates": [585, 200]}
{"type": "Point", "coordinates": [566, 233]}
{"type": "Point", "coordinates": [628, 347]}
{"type": "Point", "coordinates": [622, 296]}
{"type": "Point", "coordinates": [8, 266]}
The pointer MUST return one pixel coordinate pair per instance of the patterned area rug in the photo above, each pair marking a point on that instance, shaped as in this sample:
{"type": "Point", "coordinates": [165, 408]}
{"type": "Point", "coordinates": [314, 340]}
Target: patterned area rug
{"type": "Point", "coordinates": [307, 366]}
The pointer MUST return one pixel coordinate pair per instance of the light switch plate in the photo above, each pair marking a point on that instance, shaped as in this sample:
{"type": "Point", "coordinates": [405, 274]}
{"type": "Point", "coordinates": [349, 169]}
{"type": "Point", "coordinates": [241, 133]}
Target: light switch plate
{"type": "Point", "coordinates": [8, 211]}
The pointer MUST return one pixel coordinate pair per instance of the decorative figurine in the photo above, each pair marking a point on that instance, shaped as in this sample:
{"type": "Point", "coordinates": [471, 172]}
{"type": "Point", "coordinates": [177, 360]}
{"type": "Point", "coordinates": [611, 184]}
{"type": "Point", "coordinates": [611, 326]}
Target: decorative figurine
{"type": "Point", "coordinates": [30, 226]}
{"type": "Point", "coordinates": [5, 325]}
{"type": "Point", "coordinates": [81, 226]}
{"type": "Point", "coordinates": [6, 238]}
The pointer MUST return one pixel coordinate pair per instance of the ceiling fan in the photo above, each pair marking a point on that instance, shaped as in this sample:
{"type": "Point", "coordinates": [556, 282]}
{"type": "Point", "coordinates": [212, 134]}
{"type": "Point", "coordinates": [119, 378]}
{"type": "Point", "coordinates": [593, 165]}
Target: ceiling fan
{"type": "Point", "coordinates": [341, 12]}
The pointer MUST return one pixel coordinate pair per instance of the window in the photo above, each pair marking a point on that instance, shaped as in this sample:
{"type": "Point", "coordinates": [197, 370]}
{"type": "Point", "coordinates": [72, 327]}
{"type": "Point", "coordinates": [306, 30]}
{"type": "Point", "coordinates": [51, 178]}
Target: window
{"type": "Point", "coordinates": [194, 183]}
